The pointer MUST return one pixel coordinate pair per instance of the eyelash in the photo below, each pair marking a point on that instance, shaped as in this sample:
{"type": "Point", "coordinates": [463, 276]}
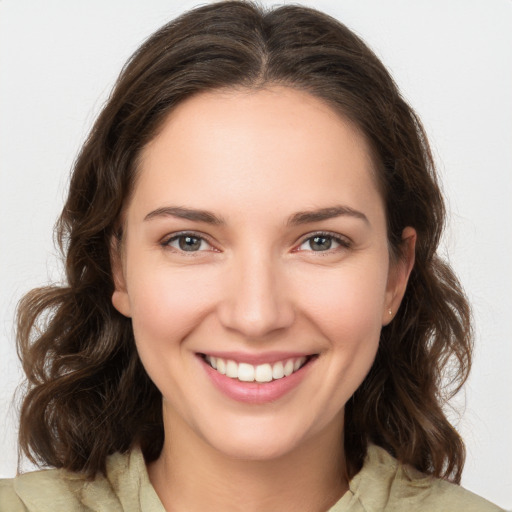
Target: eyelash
{"type": "Point", "coordinates": [343, 242]}
{"type": "Point", "coordinates": [191, 234]}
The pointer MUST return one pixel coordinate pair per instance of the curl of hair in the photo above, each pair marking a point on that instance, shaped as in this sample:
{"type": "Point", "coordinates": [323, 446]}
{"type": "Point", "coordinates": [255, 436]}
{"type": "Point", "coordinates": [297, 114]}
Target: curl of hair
{"type": "Point", "coordinates": [88, 394]}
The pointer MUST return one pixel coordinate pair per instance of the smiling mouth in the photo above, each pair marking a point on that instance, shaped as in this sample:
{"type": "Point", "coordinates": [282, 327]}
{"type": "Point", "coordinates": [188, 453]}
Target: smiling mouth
{"type": "Point", "coordinates": [261, 373]}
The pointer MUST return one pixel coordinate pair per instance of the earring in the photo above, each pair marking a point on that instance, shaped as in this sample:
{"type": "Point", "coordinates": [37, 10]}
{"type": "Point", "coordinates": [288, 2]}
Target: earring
{"type": "Point", "coordinates": [390, 312]}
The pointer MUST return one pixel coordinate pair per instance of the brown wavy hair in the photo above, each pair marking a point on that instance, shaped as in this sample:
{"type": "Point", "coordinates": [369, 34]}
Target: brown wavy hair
{"type": "Point", "coordinates": [88, 394]}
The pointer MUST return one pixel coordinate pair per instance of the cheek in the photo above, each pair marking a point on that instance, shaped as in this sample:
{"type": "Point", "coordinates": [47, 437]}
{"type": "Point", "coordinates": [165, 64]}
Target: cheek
{"type": "Point", "coordinates": [167, 303]}
{"type": "Point", "coordinates": [347, 310]}
{"type": "Point", "coordinates": [346, 303]}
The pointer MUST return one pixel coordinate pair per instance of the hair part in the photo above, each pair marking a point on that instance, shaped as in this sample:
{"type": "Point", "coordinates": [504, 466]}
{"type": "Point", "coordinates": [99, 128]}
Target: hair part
{"type": "Point", "coordinates": [88, 394]}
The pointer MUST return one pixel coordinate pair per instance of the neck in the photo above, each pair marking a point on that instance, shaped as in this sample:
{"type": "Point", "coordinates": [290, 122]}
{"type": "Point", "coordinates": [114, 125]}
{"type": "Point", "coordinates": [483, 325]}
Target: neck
{"type": "Point", "coordinates": [192, 475]}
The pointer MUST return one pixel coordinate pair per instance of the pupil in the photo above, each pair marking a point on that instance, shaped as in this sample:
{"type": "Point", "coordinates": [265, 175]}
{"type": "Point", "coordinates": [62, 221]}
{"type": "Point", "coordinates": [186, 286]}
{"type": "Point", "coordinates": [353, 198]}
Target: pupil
{"type": "Point", "coordinates": [320, 243]}
{"type": "Point", "coordinates": [189, 243]}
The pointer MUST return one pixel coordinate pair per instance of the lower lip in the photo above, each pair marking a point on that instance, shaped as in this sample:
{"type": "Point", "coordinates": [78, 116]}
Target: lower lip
{"type": "Point", "coordinates": [256, 392]}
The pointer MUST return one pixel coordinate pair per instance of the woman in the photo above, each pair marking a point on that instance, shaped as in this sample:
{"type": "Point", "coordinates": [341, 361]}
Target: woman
{"type": "Point", "coordinates": [254, 315]}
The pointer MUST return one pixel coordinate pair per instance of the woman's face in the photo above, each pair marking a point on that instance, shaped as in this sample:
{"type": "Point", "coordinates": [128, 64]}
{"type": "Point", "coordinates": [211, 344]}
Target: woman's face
{"type": "Point", "coordinates": [256, 244]}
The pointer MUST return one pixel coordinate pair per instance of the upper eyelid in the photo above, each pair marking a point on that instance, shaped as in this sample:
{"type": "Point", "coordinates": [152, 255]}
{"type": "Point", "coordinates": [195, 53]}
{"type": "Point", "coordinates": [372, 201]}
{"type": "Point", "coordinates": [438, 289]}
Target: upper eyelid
{"type": "Point", "coordinates": [336, 236]}
{"type": "Point", "coordinates": [167, 238]}
{"type": "Point", "coordinates": [174, 234]}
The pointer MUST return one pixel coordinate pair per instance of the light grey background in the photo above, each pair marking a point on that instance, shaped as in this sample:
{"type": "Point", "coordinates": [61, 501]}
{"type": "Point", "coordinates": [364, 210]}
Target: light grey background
{"type": "Point", "coordinates": [453, 62]}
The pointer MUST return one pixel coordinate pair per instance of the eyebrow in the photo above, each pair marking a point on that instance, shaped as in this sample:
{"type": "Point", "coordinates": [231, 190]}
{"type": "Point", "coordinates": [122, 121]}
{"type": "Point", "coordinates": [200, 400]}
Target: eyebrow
{"type": "Point", "coordinates": [185, 213]}
{"type": "Point", "coordinates": [325, 213]}
{"type": "Point", "coordinates": [296, 219]}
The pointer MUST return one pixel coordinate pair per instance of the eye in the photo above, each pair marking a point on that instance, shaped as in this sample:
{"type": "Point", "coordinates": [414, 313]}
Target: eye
{"type": "Point", "coordinates": [187, 242]}
{"type": "Point", "coordinates": [322, 242]}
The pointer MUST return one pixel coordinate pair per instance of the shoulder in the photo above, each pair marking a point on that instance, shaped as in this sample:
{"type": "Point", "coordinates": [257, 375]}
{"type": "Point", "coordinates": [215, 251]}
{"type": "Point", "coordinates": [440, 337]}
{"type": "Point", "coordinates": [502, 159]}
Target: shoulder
{"type": "Point", "coordinates": [9, 500]}
{"type": "Point", "coordinates": [123, 489]}
{"type": "Point", "coordinates": [384, 484]}
{"type": "Point", "coordinates": [36, 491]}
{"type": "Point", "coordinates": [53, 489]}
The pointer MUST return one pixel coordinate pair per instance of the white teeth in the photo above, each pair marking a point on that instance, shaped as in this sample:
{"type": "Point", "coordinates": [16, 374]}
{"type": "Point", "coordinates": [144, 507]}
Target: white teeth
{"type": "Point", "coordinates": [246, 372]}
{"type": "Point", "coordinates": [263, 373]}
{"type": "Point", "coordinates": [288, 367]}
{"type": "Point", "coordinates": [278, 370]}
{"type": "Point", "coordinates": [231, 369]}
{"type": "Point", "coordinates": [298, 363]}
{"type": "Point", "coordinates": [221, 366]}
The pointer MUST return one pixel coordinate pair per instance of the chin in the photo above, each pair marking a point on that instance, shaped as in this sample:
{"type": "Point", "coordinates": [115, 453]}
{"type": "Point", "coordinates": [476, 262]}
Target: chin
{"type": "Point", "coordinates": [256, 441]}
{"type": "Point", "coordinates": [254, 450]}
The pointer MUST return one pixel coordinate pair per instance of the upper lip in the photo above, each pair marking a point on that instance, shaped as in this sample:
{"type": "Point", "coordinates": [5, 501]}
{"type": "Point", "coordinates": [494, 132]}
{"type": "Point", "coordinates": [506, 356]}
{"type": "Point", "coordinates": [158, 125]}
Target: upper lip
{"type": "Point", "coordinates": [255, 359]}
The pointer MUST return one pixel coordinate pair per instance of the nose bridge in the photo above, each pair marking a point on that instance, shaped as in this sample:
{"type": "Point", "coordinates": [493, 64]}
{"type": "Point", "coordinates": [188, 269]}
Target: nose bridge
{"type": "Point", "coordinates": [257, 303]}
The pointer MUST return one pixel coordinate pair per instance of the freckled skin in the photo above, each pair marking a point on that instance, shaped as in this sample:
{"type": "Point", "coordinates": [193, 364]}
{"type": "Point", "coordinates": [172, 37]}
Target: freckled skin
{"type": "Point", "coordinates": [256, 284]}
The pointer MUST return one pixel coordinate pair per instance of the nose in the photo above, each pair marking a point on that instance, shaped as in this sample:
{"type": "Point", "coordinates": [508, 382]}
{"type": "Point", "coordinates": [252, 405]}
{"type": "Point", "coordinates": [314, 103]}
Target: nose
{"type": "Point", "coordinates": [255, 300]}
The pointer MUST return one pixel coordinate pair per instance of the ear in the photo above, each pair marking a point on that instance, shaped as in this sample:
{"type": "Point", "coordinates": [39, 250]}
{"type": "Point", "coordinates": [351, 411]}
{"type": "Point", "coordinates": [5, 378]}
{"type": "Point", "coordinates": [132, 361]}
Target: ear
{"type": "Point", "coordinates": [399, 275]}
{"type": "Point", "coordinates": [120, 297]}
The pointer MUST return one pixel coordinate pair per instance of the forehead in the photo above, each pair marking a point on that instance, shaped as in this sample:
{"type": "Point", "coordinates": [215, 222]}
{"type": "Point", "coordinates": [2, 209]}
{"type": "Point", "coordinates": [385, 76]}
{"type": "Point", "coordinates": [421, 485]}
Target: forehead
{"type": "Point", "coordinates": [253, 147]}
